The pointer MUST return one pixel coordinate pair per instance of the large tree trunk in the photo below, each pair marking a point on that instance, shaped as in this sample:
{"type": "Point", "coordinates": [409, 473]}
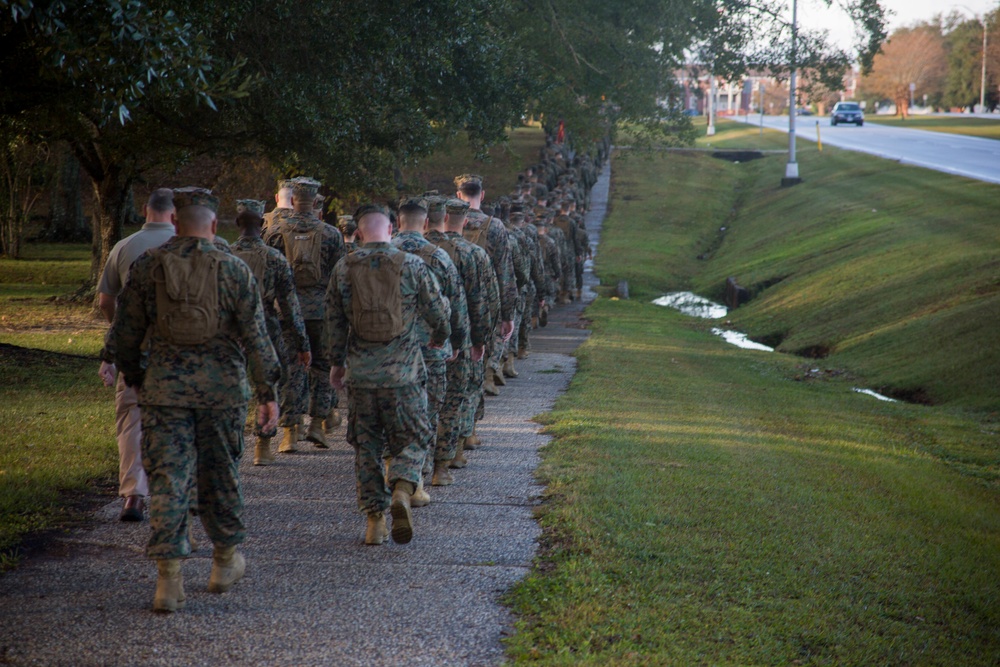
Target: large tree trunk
{"type": "Point", "coordinates": [113, 206]}
{"type": "Point", "coordinates": [66, 221]}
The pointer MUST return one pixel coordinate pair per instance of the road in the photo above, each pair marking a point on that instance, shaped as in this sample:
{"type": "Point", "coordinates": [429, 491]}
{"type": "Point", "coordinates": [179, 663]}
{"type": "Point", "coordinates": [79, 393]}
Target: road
{"type": "Point", "coordinates": [971, 157]}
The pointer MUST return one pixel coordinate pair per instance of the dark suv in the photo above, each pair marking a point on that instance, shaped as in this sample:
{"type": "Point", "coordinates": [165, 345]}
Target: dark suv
{"type": "Point", "coordinates": [847, 112]}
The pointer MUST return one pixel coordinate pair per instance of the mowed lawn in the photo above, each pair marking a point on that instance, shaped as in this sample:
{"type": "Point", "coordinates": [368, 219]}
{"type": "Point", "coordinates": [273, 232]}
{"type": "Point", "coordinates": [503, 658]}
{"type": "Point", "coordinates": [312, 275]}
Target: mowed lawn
{"type": "Point", "coordinates": [985, 128]}
{"type": "Point", "coordinates": [712, 505]}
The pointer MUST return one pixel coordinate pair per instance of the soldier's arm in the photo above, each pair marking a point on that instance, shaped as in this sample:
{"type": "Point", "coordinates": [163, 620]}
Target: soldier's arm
{"type": "Point", "coordinates": [504, 268]}
{"type": "Point", "coordinates": [336, 326]}
{"type": "Point", "coordinates": [430, 305]}
{"type": "Point", "coordinates": [459, 307]}
{"type": "Point", "coordinates": [133, 317]}
{"type": "Point", "coordinates": [263, 364]}
{"type": "Point", "coordinates": [291, 312]}
{"type": "Point", "coordinates": [475, 296]}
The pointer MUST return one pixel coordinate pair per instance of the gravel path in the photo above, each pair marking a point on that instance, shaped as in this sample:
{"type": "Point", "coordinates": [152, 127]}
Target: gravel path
{"type": "Point", "coordinates": [313, 593]}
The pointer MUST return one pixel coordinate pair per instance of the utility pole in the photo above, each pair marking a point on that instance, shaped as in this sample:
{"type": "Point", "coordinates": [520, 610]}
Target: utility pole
{"type": "Point", "coordinates": [982, 81]}
{"type": "Point", "coordinates": [792, 168]}
{"type": "Point", "coordinates": [711, 103]}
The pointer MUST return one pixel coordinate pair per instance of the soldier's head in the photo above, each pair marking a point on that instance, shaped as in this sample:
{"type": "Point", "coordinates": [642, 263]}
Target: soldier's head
{"type": "Point", "coordinates": [160, 205]}
{"type": "Point", "coordinates": [347, 227]}
{"type": "Point", "coordinates": [374, 225]}
{"type": "Point", "coordinates": [437, 211]}
{"type": "Point", "coordinates": [542, 225]}
{"type": "Point", "coordinates": [195, 212]}
{"type": "Point", "coordinates": [470, 189]}
{"type": "Point", "coordinates": [412, 214]}
{"type": "Point", "coordinates": [318, 206]}
{"type": "Point", "coordinates": [564, 206]}
{"type": "Point", "coordinates": [249, 223]}
{"type": "Point", "coordinates": [517, 219]}
{"type": "Point", "coordinates": [457, 211]}
{"type": "Point", "coordinates": [304, 191]}
{"type": "Point", "coordinates": [283, 197]}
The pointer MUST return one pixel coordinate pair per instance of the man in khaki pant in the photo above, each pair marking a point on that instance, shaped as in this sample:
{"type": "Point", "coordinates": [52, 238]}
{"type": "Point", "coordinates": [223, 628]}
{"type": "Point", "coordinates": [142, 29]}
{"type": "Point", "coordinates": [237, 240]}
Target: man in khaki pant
{"type": "Point", "coordinates": [157, 230]}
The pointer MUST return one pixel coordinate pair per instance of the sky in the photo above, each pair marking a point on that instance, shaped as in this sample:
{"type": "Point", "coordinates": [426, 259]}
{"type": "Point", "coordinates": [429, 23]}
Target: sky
{"type": "Point", "coordinates": [813, 13]}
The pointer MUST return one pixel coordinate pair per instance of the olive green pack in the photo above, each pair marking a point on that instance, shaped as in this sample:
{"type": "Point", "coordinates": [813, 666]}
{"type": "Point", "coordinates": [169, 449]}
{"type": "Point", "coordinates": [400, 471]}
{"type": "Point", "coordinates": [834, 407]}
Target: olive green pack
{"type": "Point", "coordinates": [376, 295]}
{"type": "Point", "coordinates": [187, 296]}
{"type": "Point", "coordinates": [304, 251]}
{"type": "Point", "coordinates": [256, 259]}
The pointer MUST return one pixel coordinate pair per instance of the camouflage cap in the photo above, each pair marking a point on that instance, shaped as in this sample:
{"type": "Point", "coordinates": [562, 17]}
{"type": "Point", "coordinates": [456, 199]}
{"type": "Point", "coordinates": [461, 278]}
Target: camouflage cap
{"type": "Point", "coordinates": [413, 203]}
{"type": "Point", "coordinates": [319, 199]}
{"type": "Point", "coordinates": [286, 183]}
{"type": "Point", "coordinates": [370, 207]}
{"type": "Point", "coordinates": [195, 196]}
{"type": "Point", "coordinates": [468, 179]}
{"type": "Point", "coordinates": [252, 205]}
{"type": "Point", "coordinates": [305, 187]}
{"type": "Point", "coordinates": [516, 207]}
{"type": "Point", "coordinates": [346, 224]}
{"type": "Point", "coordinates": [431, 193]}
{"type": "Point", "coordinates": [437, 204]}
{"type": "Point", "coordinates": [457, 207]}
{"type": "Point", "coordinates": [516, 217]}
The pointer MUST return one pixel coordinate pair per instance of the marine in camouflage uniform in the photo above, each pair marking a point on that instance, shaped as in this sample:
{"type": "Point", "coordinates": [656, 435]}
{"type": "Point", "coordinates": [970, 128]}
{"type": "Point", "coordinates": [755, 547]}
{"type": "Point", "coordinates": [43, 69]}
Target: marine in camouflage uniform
{"type": "Point", "coordinates": [490, 234]}
{"type": "Point", "coordinates": [193, 390]}
{"type": "Point", "coordinates": [576, 246]}
{"type": "Point", "coordinates": [521, 254]}
{"type": "Point", "coordinates": [283, 210]}
{"type": "Point", "coordinates": [412, 216]}
{"type": "Point", "coordinates": [349, 230]}
{"type": "Point", "coordinates": [476, 276]}
{"type": "Point", "coordinates": [387, 412]}
{"type": "Point", "coordinates": [311, 291]}
{"type": "Point", "coordinates": [538, 287]}
{"type": "Point", "coordinates": [283, 316]}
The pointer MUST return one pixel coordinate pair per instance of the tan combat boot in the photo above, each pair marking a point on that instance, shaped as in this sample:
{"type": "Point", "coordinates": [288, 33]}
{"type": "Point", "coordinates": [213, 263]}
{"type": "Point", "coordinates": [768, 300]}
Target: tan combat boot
{"type": "Point", "coordinates": [333, 420]}
{"type": "Point", "coordinates": [376, 533]}
{"type": "Point", "coordinates": [290, 440]}
{"type": "Point", "coordinates": [402, 518]}
{"type": "Point", "coordinates": [522, 352]}
{"type": "Point", "coordinates": [508, 367]}
{"type": "Point", "coordinates": [489, 387]}
{"type": "Point", "coordinates": [473, 441]}
{"type": "Point", "coordinates": [169, 595]}
{"type": "Point", "coordinates": [459, 461]}
{"type": "Point", "coordinates": [420, 497]}
{"type": "Point", "coordinates": [316, 435]}
{"type": "Point", "coordinates": [262, 452]}
{"type": "Point", "coordinates": [228, 566]}
{"type": "Point", "coordinates": [442, 476]}
{"type": "Point", "coordinates": [498, 378]}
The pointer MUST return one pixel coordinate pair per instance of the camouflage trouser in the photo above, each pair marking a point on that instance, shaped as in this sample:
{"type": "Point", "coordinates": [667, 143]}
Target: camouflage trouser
{"type": "Point", "coordinates": [437, 386]}
{"type": "Point", "coordinates": [381, 422]}
{"type": "Point", "coordinates": [497, 349]}
{"type": "Point", "coordinates": [184, 449]}
{"type": "Point", "coordinates": [472, 406]}
{"type": "Point", "coordinates": [568, 275]}
{"type": "Point", "coordinates": [578, 265]}
{"type": "Point", "coordinates": [322, 395]}
{"type": "Point", "coordinates": [450, 422]}
{"type": "Point", "coordinates": [293, 389]}
{"type": "Point", "coordinates": [515, 337]}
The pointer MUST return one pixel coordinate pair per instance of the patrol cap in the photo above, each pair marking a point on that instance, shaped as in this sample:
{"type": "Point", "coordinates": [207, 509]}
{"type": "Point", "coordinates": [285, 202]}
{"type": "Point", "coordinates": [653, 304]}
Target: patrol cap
{"type": "Point", "coordinates": [252, 205]}
{"type": "Point", "coordinates": [437, 204]}
{"type": "Point", "coordinates": [305, 187]}
{"type": "Point", "coordinates": [346, 224]}
{"type": "Point", "coordinates": [457, 207]}
{"type": "Point", "coordinates": [516, 207]}
{"type": "Point", "coordinates": [286, 183]}
{"type": "Point", "coordinates": [516, 217]}
{"type": "Point", "coordinates": [195, 196]}
{"type": "Point", "coordinates": [413, 204]}
{"type": "Point", "coordinates": [431, 193]}
{"type": "Point", "coordinates": [370, 207]}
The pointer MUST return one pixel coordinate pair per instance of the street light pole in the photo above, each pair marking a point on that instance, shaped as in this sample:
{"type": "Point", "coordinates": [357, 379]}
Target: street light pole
{"type": "Point", "coordinates": [792, 168]}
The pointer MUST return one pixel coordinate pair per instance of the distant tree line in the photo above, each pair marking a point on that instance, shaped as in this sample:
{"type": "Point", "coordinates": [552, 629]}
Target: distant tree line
{"type": "Point", "coordinates": [348, 91]}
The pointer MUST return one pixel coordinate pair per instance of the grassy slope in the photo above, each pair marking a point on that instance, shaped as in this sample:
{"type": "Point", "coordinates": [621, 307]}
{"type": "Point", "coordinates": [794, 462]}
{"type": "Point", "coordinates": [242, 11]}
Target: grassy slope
{"type": "Point", "coordinates": [974, 127]}
{"type": "Point", "coordinates": [720, 506]}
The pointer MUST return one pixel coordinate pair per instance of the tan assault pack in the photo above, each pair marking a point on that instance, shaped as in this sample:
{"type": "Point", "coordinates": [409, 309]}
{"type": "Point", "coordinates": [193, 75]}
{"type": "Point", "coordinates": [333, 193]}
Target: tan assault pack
{"type": "Point", "coordinates": [376, 295]}
{"type": "Point", "coordinates": [256, 259]}
{"type": "Point", "coordinates": [478, 235]}
{"type": "Point", "coordinates": [304, 251]}
{"type": "Point", "coordinates": [187, 296]}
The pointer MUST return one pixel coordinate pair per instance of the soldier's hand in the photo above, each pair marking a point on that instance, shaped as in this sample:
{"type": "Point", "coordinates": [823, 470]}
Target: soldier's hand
{"type": "Point", "coordinates": [477, 352]}
{"type": "Point", "coordinates": [506, 330]}
{"type": "Point", "coordinates": [305, 358]}
{"type": "Point", "coordinates": [107, 373]}
{"type": "Point", "coordinates": [337, 376]}
{"type": "Point", "coordinates": [267, 416]}
{"type": "Point", "coordinates": [454, 355]}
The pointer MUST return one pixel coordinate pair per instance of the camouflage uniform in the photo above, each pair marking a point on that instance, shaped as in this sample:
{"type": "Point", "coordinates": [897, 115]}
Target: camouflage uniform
{"type": "Point", "coordinates": [312, 299]}
{"type": "Point", "coordinates": [274, 221]}
{"type": "Point", "coordinates": [460, 371]}
{"type": "Point", "coordinates": [285, 326]}
{"type": "Point", "coordinates": [435, 359]}
{"type": "Point", "coordinates": [194, 398]}
{"type": "Point", "coordinates": [387, 410]}
{"type": "Point", "coordinates": [521, 254]}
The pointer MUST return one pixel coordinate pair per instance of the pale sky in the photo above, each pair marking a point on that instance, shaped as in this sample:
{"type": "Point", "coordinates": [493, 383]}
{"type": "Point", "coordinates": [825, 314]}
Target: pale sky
{"type": "Point", "coordinates": [813, 13]}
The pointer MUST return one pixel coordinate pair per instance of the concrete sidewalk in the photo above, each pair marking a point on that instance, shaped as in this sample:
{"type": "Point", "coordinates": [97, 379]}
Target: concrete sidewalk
{"type": "Point", "coordinates": [313, 593]}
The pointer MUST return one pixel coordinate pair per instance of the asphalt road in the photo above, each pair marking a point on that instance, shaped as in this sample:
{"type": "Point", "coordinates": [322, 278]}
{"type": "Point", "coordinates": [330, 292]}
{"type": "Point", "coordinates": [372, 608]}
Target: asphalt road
{"type": "Point", "coordinates": [971, 157]}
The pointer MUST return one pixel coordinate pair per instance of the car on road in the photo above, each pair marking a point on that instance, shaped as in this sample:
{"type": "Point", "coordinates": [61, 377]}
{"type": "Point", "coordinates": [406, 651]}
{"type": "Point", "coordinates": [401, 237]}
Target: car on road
{"type": "Point", "coordinates": [847, 112]}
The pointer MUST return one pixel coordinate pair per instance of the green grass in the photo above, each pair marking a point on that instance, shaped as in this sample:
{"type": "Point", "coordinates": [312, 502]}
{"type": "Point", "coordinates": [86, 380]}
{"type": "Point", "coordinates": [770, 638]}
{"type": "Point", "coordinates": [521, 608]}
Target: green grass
{"type": "Point", "coordinates": [985, 128]}
{"type": "Point", "coordinates": [60, 442]}
{"type": "Point", "coordinates": [711, 505]}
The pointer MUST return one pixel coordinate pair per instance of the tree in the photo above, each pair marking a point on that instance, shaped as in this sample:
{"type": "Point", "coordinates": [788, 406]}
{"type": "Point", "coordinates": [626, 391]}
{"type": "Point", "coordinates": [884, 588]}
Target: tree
{"type": "Point", "coordinates": [911, 56]}
{"type": "Point", "coordinates": [23, 173]}
{"type": "Point", "coordinates": [964, 46]}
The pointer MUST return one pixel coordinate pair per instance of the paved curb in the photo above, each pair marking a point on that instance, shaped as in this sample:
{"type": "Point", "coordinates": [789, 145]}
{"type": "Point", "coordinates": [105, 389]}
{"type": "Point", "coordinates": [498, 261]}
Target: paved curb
{"type": "Point", "coordinates": [314, 594]}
